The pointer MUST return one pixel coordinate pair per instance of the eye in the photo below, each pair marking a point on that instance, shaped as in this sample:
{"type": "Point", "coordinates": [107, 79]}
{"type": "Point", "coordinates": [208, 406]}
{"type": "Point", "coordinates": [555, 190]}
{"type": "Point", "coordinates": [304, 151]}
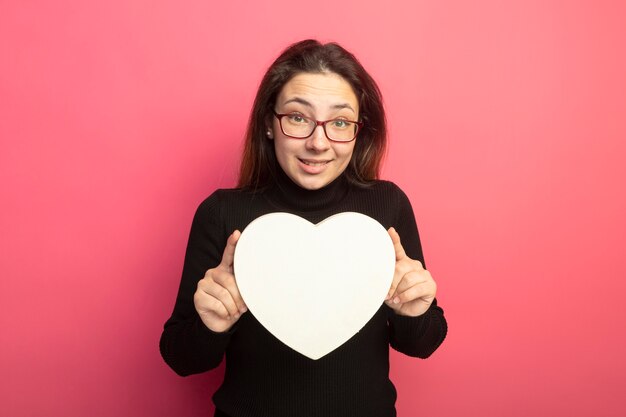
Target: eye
{"type": "Point", "coordinates": [340, 124]}
{"type": "Point", "coordinates": [297, 118]}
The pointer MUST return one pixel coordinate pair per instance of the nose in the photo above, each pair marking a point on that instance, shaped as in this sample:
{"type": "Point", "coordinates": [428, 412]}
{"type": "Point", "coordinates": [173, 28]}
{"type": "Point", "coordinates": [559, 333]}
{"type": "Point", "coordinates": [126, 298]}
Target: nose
{"type": "Point", "coordinates": [318, 141]}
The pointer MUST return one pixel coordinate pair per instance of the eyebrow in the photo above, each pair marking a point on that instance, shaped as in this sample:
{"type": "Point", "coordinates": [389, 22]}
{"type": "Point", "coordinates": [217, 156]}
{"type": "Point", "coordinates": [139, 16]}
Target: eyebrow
{"type": "Point", "coordinates": [306, 103]}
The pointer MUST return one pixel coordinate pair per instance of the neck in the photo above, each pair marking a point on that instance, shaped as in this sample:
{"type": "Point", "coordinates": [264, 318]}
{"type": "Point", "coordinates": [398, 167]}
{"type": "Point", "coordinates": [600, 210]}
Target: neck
{"type": "Point", "coordinates": [290, 195]}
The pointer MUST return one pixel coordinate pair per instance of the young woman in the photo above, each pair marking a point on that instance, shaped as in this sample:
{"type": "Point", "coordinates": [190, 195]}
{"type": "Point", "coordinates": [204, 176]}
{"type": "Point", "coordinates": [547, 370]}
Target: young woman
{"type": "Point", "coordinates": [314, 145]}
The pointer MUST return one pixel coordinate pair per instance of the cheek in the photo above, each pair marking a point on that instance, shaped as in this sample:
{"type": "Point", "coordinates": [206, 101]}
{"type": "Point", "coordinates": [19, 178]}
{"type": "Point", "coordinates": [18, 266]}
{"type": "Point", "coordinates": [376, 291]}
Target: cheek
{"type": "Point", "coordinates": [281, 149]}
{"type": "Point", "coordinates": [345, 152]}
{"type": "Point", "coordinates": [278, 150]}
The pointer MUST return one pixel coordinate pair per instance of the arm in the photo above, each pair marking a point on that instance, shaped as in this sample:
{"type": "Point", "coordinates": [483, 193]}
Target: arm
{"type": "Point", "coordinates": [417, 325]}
{"type": "Point", "coordinates": [187, 345]}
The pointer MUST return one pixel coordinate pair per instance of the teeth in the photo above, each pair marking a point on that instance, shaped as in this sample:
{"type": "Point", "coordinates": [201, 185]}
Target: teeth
{"type": "Point", "coordinates": [314, 164]}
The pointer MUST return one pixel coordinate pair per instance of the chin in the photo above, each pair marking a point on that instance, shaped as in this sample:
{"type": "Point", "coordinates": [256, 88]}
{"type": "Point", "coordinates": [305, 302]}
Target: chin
{"type": "Point", "coordinates": [312, 183]}
{"type": "Point", "coordinates": [312, 186]}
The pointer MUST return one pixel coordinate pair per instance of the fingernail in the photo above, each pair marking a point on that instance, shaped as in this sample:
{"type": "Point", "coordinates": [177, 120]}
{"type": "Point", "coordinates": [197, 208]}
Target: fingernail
{"type": "Point", "coordinates": [243, 309]}
{"type": "Point", "coordinates": [236, 315]}
{"type": "Point", "coordinates": [396, 300]}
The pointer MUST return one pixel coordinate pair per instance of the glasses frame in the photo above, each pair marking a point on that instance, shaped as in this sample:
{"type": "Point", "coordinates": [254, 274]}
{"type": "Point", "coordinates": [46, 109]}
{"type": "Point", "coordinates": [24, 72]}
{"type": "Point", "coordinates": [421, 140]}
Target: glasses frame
{"type": "Point", "coordinates": [322, 123]}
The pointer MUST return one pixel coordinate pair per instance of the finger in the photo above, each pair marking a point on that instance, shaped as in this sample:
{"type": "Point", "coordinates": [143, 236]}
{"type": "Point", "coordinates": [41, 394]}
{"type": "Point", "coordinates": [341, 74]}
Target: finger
{"type": "Point", "coordinates": [398, 275]}
{"type": "Point", "coordinates": [403, 267]}
{"type": "Point", "coordinates": [408, 273]}
{"type": "Point", "coordinates": [209, 304]}
{"type": "Point", "coordinates": [394, 284]}
{"type": "Point", "coordinates": [217, 307]}
{"type": "Point", "coordinates": [415, 284]}
{"type": "Point", "coordinates": [222, 295]}
{"type": "Point", "coordinates": [419, 291]}
{"type": "Point", "coordinates": [397, 246]}
{"type": "Point", "coordinates": [229, 251]}
{"type": "Point", "coordinates": [227, 280]}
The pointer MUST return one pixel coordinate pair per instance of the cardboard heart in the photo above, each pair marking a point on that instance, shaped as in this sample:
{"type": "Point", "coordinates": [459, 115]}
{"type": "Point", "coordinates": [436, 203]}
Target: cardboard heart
{"type": "Point", "coordinates": [314, 286]}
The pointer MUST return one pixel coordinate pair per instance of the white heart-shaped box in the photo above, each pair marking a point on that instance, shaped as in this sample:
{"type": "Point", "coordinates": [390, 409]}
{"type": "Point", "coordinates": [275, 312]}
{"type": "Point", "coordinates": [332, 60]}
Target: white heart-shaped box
{"type": "Point", "coordinates": [314, 286]}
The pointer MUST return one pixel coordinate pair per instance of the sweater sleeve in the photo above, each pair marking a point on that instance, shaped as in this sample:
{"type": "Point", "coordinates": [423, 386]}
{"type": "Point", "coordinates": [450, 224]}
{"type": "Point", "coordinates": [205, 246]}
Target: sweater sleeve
{"type": "Point", "coordinates": [187, 345]}
{"type": "Point", "coordinates": [414, 336]}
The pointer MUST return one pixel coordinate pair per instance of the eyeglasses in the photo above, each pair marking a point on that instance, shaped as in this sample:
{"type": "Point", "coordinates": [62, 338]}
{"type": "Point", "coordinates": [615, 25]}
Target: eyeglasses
{"type": "Point", "coordinates": [298, 126]}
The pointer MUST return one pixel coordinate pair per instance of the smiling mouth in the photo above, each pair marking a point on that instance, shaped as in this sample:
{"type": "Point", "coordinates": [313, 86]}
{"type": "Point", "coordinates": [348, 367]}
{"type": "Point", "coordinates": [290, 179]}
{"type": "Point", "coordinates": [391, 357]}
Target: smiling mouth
{"type": "Point", "coordinates": [313, 163]}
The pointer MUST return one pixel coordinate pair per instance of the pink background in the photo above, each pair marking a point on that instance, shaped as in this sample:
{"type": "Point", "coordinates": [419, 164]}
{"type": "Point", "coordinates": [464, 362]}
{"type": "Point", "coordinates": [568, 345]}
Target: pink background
{"type": "Point", "coordinates": [508, 133]}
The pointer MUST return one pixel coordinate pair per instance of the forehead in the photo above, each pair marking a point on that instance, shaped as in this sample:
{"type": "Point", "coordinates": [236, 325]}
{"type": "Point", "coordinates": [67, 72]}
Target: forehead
{"type": "Point", "coordinates": [321, 89]}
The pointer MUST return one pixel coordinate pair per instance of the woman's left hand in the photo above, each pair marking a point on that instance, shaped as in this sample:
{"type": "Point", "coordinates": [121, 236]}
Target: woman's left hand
{"type": "Point", "coordinates": [413, 289]}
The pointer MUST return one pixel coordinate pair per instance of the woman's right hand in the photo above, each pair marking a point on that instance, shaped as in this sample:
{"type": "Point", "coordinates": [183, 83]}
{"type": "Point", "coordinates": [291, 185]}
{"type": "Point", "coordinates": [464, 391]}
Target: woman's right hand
{"type": "Point", "coordinates": [217, 299]}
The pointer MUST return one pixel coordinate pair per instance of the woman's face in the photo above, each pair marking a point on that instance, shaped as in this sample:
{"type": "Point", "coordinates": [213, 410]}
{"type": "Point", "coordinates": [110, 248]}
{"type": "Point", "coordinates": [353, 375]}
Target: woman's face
{"type": "Point", "coordinates": [314, 162]}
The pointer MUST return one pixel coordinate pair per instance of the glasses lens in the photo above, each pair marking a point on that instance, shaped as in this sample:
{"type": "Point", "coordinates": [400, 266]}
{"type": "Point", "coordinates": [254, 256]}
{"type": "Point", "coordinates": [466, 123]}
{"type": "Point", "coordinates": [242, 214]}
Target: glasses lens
{"type": "Point", "coordinates": [341, 130]}
{"type": "Point", "coordinates": [297, 125]}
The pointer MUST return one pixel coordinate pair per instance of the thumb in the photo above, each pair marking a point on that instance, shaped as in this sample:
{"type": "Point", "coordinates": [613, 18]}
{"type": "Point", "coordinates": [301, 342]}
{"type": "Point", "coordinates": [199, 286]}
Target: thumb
{"type": "Point", "coordinates": [229, 251]}
{"type": "Point", "coordinates": [397, 246]}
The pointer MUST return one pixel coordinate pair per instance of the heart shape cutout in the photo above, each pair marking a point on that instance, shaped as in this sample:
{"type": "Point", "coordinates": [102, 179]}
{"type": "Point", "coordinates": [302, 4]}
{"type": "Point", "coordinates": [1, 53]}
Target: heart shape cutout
{"type": "Point", "coordinates": [314, 286]}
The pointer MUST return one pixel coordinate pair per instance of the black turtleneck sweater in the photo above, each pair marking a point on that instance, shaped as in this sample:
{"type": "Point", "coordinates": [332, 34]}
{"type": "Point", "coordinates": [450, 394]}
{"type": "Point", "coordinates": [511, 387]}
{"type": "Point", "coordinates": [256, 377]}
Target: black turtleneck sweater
{"type": "Point", "coordinates": [264, 377]}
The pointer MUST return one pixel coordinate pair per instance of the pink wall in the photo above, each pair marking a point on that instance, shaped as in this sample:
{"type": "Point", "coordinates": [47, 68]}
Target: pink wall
{"type": "Point", "coordinates": [508, 133]}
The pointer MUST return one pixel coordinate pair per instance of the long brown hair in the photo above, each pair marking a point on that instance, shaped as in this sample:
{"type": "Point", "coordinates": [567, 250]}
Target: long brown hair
{"type": "Point", "coordinates": [259, 164]}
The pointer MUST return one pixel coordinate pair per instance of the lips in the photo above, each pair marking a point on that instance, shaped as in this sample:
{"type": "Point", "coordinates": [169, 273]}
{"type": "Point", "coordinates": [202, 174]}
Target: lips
{"type": "Point", "coordinates": [313, 162]}
{"type": "Point", "coordinates": [314, 166]}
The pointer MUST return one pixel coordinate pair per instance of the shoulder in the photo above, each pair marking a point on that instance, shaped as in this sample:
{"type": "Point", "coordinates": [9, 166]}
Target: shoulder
{"type": "Point", "coordinates": [232, 209]}
{"type": "Point", "coordinates": [221, 200]}
{"type": "Point", "coordinates": [226, 196]}
{"type": "Point", "coordinates": [384, 189]}
{"type": "Point", "coordinates": [382, 200]}
{"type": "Point", "coordinates": [380, 186]}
